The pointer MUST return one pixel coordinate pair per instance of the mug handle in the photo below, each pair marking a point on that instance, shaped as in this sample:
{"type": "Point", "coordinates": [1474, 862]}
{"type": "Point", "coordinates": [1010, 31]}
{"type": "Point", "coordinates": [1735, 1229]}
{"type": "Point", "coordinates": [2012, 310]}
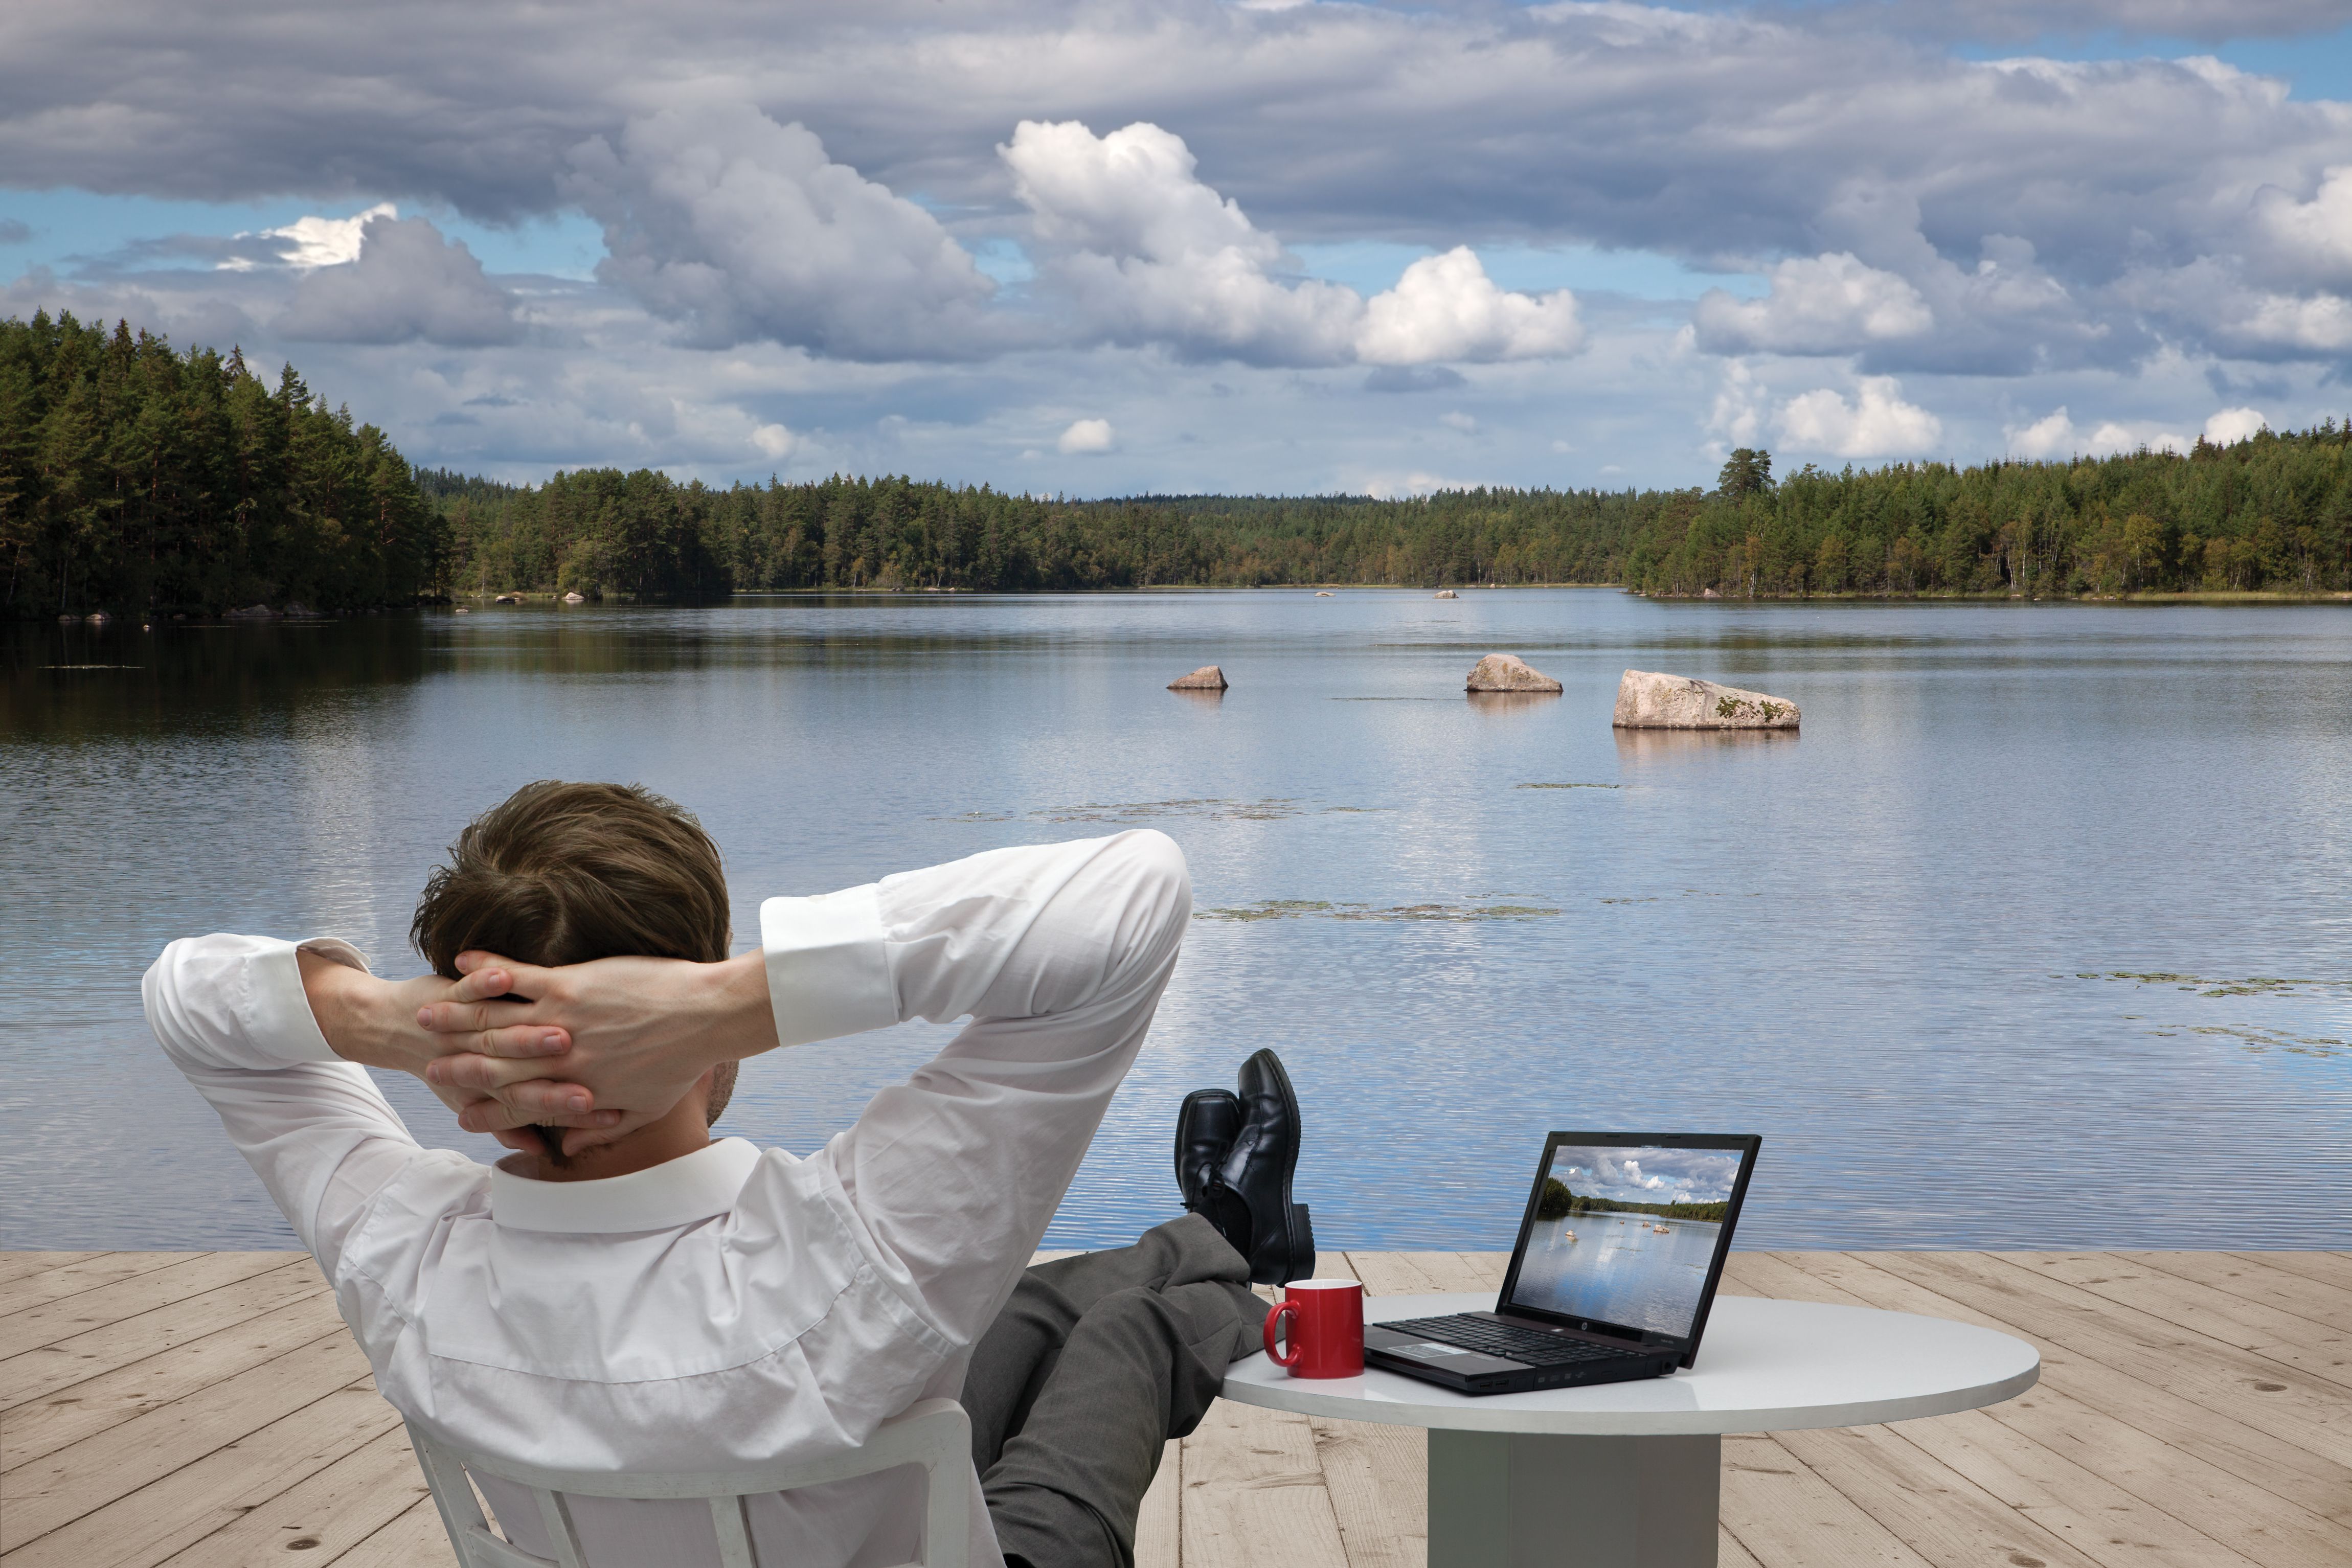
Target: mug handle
{"type": "Point", "coordinates": [1273, 1317]}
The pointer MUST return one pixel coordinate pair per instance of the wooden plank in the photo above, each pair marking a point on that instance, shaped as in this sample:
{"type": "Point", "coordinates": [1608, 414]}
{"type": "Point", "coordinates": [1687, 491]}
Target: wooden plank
{"type": "Point", "coordinates": [1730, 1553]}
{"type": "Point", "coordinates": [1784, 1514]}
{"type": "Point", "coordinates": [88, 1409]}
{"type": "Point", "coordinates": [44, 1371]}
{"type": "Point", "coordinates": [2329, 1268]}
{"type": "Point", "coordinates": [2309, 1347]}
{"type": "Point", "coordinates": [182, 1507]}
{"type": "Point", "coordinates": [1254, 1493]}
{"type": "Point", "coordinates": [1393, 1273]}
{"type": "Point", "coordinates": [89, 1274]}
{"type": "Point", "coordinates": [1944, 1514]}
{"type": "Point", "coordinates": [415, 1540]}
{"type": "Point", "coordinates": [14, 1266]}
{"type": "Point", "coordinates": [84, 1476]}
{"type": "Point", "coordinates": [1425, 1273]}
{"type": "Point", "coordinates": [2246, 1486]}
{"type": "Point", "coordinates": [329, 1513]}
{"type": "Point", "coordinates": [2254, 1280]}
{"type": "Point", "coordinates": [2259, 1393]}
{"type": "Point", "coordinates": [1159, 1536]}
{"type": "Point", "coordinates": [1378, 1479]}
{"type": "Point", "coordinates": [112, 1301]}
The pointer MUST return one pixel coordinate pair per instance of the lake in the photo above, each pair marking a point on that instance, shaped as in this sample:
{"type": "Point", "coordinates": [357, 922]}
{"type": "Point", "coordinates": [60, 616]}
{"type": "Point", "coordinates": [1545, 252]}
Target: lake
{"type": "Point", "coordinates": [2040, 935]}
{"type": "Point", "coordinates": [1618, 1268]}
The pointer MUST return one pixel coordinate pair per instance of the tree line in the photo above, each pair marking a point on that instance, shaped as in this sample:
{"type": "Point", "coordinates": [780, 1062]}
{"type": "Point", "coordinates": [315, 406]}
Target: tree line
{"type": "Point", "coordinates": [137, 479]}
{"type": "Point", "coordinates": [1559, 1202]}
{"type": "Point", "coordinates": [2270, 513]}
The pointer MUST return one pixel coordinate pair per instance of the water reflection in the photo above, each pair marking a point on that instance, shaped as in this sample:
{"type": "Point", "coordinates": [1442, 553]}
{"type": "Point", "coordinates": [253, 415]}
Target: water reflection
{"type": "Point", "coordinates": [1891, 946]}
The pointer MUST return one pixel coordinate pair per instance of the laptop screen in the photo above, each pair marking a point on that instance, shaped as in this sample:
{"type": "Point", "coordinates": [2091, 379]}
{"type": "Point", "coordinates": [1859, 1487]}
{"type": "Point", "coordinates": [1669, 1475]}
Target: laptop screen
{"type": "Point", "coordinates": [1629, 1234]}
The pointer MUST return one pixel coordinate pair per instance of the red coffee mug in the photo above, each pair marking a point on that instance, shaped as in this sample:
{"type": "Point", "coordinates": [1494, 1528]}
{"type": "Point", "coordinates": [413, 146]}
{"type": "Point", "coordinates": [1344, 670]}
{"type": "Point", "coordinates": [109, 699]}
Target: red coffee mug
{"type": "Point", "coordinates": [1327, 1328]}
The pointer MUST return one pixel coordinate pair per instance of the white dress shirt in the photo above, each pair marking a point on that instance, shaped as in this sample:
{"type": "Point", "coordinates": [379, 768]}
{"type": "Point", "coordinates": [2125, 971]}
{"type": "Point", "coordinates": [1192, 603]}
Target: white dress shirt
{"type": "Point", "coordinates": [737, 1304]}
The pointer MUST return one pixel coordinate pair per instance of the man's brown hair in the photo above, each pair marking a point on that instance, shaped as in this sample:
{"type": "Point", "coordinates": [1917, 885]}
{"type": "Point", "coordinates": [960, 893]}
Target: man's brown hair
{"type": "Point", "coordinates": [560, 874]}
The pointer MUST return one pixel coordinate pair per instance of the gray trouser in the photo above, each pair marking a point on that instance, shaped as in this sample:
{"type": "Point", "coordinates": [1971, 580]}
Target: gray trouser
{"type": "Point", "coordinates": [1094, 1363]}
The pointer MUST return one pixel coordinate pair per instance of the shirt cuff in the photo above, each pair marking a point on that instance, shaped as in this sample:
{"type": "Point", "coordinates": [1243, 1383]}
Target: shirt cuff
{"type": "Point", "coordinates": [828, 970]}
{"type": "Point", "coordinates": [281, 1021]}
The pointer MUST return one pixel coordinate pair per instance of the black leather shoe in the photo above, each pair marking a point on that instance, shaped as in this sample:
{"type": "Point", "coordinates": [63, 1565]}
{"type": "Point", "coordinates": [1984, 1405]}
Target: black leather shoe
{"type": "Point", "coordinates": [1257, 1172]}
{"type": "Point", "coordinates": [1205, 1127]}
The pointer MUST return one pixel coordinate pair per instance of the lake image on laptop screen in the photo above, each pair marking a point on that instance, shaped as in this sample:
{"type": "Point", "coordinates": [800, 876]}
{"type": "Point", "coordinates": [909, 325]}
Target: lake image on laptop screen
{"type": "Point", "coordinates": [1626, 1235]}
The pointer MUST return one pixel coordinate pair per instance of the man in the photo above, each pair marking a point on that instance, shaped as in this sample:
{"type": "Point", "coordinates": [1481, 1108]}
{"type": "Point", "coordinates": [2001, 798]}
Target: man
{"type": "Point", "coordinates": [625, 1294]}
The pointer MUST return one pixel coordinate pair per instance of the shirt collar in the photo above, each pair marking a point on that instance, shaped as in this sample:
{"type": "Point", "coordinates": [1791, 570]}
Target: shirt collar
{"type": "Point", "coordinates": [660, 1197]}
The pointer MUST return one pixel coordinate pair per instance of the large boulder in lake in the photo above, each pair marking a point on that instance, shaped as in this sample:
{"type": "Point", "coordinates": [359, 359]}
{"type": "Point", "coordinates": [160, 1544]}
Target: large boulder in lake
{"type": "Point", "coordinates": [1508, 673]}
{"type": "Point", "coordinates": [1207, 678]}
{"type": "Point", "coordinates": [1647, 700]}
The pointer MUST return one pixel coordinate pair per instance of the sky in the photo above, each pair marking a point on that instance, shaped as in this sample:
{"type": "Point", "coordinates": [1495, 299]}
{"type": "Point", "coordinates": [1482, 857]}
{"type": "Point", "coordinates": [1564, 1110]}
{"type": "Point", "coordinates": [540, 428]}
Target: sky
{"type": "Point", "coordinates": [1647, 1174]}
{"type": "Point", "coordinates": [1105, 247]}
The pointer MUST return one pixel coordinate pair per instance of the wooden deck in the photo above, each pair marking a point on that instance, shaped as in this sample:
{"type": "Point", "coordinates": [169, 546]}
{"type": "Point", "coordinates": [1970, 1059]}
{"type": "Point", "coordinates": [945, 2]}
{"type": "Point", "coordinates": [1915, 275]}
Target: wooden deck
{"type": "Point", "coordinates": [2195, 1412]}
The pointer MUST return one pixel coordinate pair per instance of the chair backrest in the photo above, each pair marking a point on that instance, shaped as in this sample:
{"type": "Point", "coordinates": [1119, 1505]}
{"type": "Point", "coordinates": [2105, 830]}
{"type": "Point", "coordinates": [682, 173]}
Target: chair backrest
{"type": "Point", "coordinates": [935, 1434]}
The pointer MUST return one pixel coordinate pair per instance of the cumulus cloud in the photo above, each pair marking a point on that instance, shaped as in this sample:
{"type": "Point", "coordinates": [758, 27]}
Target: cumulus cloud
{"type": "Point", "coordinates": [2055, 436]}
{"type": "Point", "coordinates": [2232, 424]}
{"type": "Point", "coordinates": [320, 242]}
{"type": "Point", "coordinates": [1876, 423]}
{"type": "Point", "coordinates": [1446, 307]}
{"type": "Point", "coordinates": [1150, 252]}
{"type": "Point", "coordinates": [742, 228]}
{"type": "Point", "coordinates": [2309, 242]}
{"type": "Point", "coordinates": [401, 282]}
{"type": "Point", "coordinates": [1086, 436]}
{"type": "Point", "coordinates": [1819, 305]}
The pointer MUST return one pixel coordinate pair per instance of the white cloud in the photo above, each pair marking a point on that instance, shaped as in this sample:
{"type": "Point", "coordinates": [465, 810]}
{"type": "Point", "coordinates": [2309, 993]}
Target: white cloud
{"type": "Point", "coordinates": [742, 228]}
{"type": "Point", "coordinates": [774, 440]}
{"type": "Point", "coordinates": [402, 282]}
{"type": "Point", "coordinates": [1877, 423]}
{"type": "Point", "coordinates": [316, 241]}
{"type": "Point", "coordinates": [1446, 307]}
{"type": "Point", "coordinates": [1455, 419]}
{"type": "Point", "coordinates": [2233, 424]}
{"type": "Point", "coordinates": [1086, 436]}
{"type": "Point", "coordinates": [1828, 304]}
{"type": "Point", "coordinates": [1150, 252]}
{"type": "Point", "coordinates": [2309, 242]}
{"type": "Point", "coordinates": [2055, 436]}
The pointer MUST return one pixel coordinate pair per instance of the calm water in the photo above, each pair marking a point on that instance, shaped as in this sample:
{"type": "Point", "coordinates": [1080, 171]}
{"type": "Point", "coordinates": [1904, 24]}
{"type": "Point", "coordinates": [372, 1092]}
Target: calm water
{"type": "Point", "coordinates": [1892, 946]}
{"type": "Point", "coordinates": [1619, 1268]}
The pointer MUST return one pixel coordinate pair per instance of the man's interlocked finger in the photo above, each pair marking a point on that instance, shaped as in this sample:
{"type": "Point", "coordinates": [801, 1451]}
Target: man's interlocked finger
{"type": "Point", "coordinates": [522, 1040]}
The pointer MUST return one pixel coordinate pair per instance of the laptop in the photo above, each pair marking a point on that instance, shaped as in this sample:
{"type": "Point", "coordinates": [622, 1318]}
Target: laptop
{"type": "Point", "coordinates": [1619, 1254]}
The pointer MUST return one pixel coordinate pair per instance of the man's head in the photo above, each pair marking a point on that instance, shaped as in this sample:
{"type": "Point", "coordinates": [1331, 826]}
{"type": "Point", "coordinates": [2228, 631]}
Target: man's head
{"type": "Point", "coordinates": [561, 874]}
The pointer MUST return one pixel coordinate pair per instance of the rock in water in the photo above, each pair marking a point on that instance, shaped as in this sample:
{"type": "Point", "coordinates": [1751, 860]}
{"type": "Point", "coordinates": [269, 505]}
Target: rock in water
{"type": "Point", "coordinates": [1325, 593]}
{"type": "Point", "coordinates": [575, 599]}
{"type": "Point", "coordinates": [1445, 593]}
{"type": "Point", "coordinates": [1508, 673]}
{"type": "Point", "coordinates": [1207, 678]}
{"type": "Point", "coordinates": [252, 613]}
{"type": "Point", "coordinates": [1647, 700]}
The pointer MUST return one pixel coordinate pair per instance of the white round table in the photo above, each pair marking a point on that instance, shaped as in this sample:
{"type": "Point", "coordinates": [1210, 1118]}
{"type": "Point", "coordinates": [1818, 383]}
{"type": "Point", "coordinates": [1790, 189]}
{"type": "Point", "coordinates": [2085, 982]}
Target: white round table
{"type": "Point", "coordinates": [1628, 1474]}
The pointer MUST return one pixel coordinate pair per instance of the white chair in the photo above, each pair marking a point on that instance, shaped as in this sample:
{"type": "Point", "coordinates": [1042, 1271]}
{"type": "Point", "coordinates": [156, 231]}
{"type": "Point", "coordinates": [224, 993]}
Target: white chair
{"type": "Point", "coordinates": [935, 1434]}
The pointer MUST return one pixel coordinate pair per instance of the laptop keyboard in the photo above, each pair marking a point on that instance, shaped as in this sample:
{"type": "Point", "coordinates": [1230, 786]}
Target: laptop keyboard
{"type": "Point", "coordinates": [1530, 1346]}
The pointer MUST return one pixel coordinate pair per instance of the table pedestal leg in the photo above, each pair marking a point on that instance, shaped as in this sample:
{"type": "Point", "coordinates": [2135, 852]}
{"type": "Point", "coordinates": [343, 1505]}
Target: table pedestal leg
{"type": "Point", "coordinates": [1507, 1500]}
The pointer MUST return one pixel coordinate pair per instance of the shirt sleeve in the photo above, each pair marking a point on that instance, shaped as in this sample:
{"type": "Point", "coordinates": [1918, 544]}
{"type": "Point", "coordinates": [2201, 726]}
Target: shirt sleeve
{"type": "Point", "coordinates": [1058, 954]}
{"type": "Point", "coordinates": [231, 1013]}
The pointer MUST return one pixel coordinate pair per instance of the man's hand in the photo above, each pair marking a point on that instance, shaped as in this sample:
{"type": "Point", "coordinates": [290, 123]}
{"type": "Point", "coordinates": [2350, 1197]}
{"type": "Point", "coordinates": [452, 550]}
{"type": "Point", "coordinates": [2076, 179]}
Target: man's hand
{"type": "Point", "coordinates": [374, 1021]}
{"type": "Point", "coordinates": [640, 1031]}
